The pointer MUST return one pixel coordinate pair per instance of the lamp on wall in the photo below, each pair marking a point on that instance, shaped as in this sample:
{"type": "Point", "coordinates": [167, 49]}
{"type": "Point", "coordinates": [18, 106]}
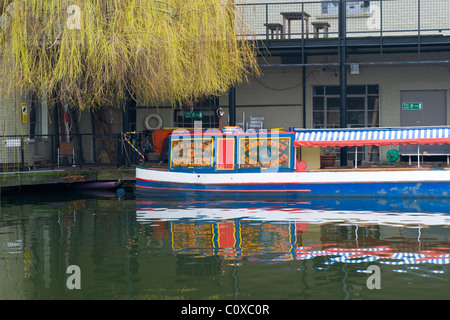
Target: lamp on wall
{"type": "Point", "coordinates": [220, 114]}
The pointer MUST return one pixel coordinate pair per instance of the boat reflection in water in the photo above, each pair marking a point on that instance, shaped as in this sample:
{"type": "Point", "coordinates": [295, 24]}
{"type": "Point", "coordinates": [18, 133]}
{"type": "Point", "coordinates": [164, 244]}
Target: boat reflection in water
{"type": "Point", "coordinates": [383, 231]}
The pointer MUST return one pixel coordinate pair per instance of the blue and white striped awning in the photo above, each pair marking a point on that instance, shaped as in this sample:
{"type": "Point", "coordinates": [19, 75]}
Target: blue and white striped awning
{"type": "Point", "coordinates": [371, 136]}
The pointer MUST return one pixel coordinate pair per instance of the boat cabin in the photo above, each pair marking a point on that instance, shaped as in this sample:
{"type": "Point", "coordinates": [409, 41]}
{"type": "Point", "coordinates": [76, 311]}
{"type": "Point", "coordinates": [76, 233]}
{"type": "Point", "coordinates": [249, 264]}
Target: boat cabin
{"type": "Point", "coordinates": [231, 150]}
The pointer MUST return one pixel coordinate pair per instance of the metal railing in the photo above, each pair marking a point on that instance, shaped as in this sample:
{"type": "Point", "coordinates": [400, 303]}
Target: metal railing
{"type": "Point", "coordinates": [21, 153]}
{"type": "Point", "coordinates": [282, 20]}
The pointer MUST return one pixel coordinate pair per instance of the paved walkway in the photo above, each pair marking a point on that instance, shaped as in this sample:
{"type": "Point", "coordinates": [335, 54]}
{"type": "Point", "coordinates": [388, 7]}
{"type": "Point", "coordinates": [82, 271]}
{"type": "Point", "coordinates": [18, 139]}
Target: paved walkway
{"type": "Point", "coordinates": [65, 175]}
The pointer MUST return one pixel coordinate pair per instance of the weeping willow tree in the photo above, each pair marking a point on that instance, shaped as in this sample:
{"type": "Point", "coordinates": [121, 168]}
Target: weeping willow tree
{"type": "Point", "coordinates": [98, 52]}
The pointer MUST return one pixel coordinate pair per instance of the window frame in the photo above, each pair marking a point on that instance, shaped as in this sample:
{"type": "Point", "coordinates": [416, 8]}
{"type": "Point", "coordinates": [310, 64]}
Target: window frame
{"type": "Point", "coordinates": [331, 92]}
{"type": "Point", "coordinates": [207, 106]}
{"type": "Point", "coordinates": [363, 7]}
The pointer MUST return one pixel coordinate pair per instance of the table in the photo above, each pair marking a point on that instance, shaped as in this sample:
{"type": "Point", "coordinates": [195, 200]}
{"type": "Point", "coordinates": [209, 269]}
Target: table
{"type": "Point", "coordinates": [289, 16]}
{"type": "Point", "coordinates": [425, 154]}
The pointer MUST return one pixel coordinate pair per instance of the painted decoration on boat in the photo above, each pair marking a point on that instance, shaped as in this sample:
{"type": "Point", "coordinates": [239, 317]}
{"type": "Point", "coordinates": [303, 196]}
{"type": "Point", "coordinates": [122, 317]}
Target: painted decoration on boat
{"type": "Point", "coordinates": [231, 152]}
{"type": "Point", "coordinates": [225, 153]}
{"type": "Point", "coordinates": [268, 152]}
{"type": "Point", "coordinates": [190, 153]}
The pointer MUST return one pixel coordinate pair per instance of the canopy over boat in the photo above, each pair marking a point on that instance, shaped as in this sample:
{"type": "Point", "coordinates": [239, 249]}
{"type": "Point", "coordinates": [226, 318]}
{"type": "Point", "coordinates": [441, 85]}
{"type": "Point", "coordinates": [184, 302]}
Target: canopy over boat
{"type": "Point", "coordinates": [371, 136]}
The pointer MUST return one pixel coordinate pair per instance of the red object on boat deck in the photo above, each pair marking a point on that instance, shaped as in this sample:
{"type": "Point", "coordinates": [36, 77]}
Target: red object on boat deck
{"type": "Point", "coordinates": [301, 166]}
{"type": "Point", "coordinates": [158, 139]}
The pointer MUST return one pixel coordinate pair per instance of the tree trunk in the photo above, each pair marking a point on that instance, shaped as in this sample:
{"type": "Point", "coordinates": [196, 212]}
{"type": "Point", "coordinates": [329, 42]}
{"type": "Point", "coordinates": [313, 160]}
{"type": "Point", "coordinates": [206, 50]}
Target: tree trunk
{"type": "Point", "coordinates": [108, 140]}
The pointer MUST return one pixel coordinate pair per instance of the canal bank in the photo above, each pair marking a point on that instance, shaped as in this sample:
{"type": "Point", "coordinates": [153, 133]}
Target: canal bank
{"type": "Point", "coordinates": [108, 178]}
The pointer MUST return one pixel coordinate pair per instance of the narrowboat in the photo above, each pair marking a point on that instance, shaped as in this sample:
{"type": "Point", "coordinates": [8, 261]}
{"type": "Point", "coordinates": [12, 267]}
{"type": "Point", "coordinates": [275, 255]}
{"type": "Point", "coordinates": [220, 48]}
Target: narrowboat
{"type": "Point", "coordinates": [232, 162]}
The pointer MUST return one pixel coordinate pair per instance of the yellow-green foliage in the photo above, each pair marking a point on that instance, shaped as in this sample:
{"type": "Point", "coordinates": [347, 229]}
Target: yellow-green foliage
{"type": "Point", "coordinates": [157, 50]}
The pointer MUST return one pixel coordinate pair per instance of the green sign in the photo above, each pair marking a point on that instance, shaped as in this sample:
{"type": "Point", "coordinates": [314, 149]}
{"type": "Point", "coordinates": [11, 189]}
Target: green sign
{"type": "Point", "coordinates": [193, 115]}
{"type": "Point", "coordinates": [412, 106]}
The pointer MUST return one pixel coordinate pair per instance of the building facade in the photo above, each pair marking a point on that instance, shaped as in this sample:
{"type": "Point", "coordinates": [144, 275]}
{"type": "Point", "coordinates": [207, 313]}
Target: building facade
{"type": "Point", "coordinates": [394, 53]}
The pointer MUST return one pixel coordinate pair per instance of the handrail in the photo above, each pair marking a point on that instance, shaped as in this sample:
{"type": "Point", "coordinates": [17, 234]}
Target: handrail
{"type": "Point", "coordinates": [386, 16]}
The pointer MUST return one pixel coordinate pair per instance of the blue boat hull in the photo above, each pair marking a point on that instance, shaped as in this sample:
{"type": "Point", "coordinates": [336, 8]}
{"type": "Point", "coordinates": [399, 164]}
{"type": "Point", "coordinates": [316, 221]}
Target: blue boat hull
{"type": "Point", "coordinates": [366, 184]}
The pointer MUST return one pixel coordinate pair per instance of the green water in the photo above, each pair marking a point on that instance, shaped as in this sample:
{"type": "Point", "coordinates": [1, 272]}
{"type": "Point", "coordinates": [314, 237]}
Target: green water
{"type": "Point", "coordinates": [157, 250]}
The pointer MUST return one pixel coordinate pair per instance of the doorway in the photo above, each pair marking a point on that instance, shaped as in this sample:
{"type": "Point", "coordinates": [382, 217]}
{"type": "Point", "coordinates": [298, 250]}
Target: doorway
{"type": "Point", "coordinates": [423, 108]}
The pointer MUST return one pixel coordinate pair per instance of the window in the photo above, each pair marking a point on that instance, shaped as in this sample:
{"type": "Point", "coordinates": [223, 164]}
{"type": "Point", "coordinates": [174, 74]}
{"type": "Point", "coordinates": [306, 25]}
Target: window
{"type": "Point", "coordinates": [362, 111]}
{"type": "Point", "coordinates": [204, 110]}
{"type": "Point", "coordinates": [332, 7]}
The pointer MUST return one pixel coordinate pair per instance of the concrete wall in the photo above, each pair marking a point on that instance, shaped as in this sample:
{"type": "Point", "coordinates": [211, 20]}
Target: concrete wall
{"type": "Point", "coordinates": [277, 94]}
{"type": "Point", "coordinates": [11, 115]}
{"type": "Point", "coordinates": [11, 124]}
{"type": "Point", "coordinates": [391, 80]}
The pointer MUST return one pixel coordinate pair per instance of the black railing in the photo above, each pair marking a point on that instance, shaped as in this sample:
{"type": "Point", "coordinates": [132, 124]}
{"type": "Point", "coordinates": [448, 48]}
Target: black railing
{"type": "Point", "coordinates": [21, 153]}
{"type": "Point", "coordinates": [305, 20]}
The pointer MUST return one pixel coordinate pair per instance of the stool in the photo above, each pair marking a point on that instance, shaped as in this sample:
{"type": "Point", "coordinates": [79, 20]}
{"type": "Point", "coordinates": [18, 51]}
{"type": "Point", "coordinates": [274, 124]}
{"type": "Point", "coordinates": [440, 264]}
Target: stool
{"type": "Point", "coordinates": [320, 25]}
{"type": "Point", "coordinates": [275, 29]}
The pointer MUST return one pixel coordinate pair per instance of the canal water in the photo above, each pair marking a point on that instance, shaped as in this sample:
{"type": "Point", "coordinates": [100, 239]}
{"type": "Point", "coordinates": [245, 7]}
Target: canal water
{"type": "Point", "coordinates": [71, 245]}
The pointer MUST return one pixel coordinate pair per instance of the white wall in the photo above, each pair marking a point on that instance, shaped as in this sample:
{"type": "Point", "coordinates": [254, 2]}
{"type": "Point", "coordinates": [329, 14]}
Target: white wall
{"type": "Point", "coordinates": [276, 95]}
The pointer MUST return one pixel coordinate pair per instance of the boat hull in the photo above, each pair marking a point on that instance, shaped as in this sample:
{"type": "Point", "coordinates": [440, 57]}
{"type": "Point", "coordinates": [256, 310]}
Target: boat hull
{"type": "Point", "coordinates": [403, 212]}
{"type": "Point", "coordinates": [407, 183]}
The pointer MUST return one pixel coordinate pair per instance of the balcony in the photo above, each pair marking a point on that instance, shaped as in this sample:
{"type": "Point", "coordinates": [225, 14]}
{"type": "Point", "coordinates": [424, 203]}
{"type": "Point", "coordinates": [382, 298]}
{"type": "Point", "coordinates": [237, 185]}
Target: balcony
{"type": "Point", "coordinates": [380, 27]}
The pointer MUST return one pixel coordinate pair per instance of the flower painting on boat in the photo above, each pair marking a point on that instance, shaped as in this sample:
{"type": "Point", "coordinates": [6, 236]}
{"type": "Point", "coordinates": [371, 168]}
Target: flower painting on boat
{"type": "Point", "coordinates": [269, 152]}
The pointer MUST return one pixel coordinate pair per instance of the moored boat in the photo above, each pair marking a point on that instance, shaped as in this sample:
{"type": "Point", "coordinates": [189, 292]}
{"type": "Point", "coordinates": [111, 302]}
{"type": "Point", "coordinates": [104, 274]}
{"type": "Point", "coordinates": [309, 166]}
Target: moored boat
{"type": "Point", "coordinates": [248, 163]}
